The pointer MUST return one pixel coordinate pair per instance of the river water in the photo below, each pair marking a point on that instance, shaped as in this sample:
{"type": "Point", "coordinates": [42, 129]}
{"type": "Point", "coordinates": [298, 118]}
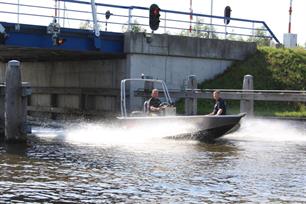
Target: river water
{"type": "Point", "coordinates": [264, 162]}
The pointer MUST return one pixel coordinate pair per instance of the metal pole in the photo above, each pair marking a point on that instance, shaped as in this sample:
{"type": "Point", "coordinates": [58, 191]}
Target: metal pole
{"type": "Point", "coordinates": [290, 13]}
{"type": "Point", "coordinates": [191, 11]}
{"type": "Point", "coordinates": [253, 31]}
{"type": "Point", "coordinates": [18, 11]}
{"type": "Point", "coordinates": [211, 13]}
{"type": "Point", "coordinates": [94, 18]}
{"type": "Point", "coordinates": [55, 10]}
{"type": "Point", "coordinates": [165, 23]}
{"type": "Point", "coordinates": [64, 14]}
{"type": "Point", "coordinates": [130, 20]}
{"type": "Point", "coordinates": [17, 26]}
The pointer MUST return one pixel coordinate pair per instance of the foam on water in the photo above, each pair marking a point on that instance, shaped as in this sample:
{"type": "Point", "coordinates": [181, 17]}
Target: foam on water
{"type": "Point", "coordinates": [270, 130]}
{"type": "Point", "coordinates": [101, 133]}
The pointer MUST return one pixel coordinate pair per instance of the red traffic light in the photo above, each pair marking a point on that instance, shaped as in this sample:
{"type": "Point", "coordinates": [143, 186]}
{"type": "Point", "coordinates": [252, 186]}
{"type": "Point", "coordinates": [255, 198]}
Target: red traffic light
{"type": "Point", "coordinates": [156, 11]}
{"type": "Point", "coordinates": [154, 17]}
{"type": "Point", "coordinates": [58, 41]}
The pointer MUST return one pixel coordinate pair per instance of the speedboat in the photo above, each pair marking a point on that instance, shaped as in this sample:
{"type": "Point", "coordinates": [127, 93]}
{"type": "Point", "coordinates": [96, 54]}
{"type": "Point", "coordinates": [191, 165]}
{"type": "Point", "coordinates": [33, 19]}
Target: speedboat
{"type": "Point", "coordinates": [197, 127]}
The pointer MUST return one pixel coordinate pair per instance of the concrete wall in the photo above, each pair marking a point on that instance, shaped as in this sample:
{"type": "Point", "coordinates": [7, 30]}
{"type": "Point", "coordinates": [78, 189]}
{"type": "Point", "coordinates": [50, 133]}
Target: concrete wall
{"type": "Point", "coordinates": [174, 70]}
{"type": "Point", "coordinates": [169, 45]}
{"type": "Point", "coordinates": [73, 74]}
{"type": "Point", "coordinates": [173, 58]}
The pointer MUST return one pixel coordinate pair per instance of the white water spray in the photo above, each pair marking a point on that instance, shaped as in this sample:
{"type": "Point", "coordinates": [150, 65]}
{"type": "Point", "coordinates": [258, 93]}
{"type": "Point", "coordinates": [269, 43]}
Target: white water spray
{"type": "Point", "coordinates": [270, 130]}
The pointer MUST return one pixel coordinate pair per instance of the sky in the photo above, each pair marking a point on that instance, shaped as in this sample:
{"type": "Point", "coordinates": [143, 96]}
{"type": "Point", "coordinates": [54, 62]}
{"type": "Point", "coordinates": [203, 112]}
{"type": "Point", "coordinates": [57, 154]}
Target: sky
{"type": "Point", "coordinates": [273, 12]}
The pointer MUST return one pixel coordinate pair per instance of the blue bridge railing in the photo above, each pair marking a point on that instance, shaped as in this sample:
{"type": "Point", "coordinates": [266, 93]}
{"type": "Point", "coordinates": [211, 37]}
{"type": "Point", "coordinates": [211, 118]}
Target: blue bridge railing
{"type": "Point", "coordinates": [78, 14]}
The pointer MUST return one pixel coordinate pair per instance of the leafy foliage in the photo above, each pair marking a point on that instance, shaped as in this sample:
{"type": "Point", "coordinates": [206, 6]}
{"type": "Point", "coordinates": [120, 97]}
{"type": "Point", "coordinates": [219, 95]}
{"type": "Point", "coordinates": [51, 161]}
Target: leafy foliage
{"type": "Point", "coordinates": [272, 69]}
{"type": "Point", "coordinates": [135, 27]}
{"type": "Point", "coordinates": [201, 30]}
{"type": "Point", "coordinates": [86, 25]}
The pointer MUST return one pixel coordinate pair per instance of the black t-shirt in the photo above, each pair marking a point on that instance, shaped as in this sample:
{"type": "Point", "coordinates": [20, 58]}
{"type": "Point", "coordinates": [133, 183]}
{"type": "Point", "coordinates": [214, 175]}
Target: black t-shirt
{"type": "Point", "coordinates": [220, 104]}
{"type": "Point", "coordinates": [155, 102]}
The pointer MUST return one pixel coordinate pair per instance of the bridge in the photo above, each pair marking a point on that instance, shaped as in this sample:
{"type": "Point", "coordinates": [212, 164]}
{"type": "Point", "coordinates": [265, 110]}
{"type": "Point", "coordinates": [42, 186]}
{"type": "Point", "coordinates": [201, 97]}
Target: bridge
{"type": "Point", "coordinates": [27, 35]}
{"type": "Point", "coordinates": [74, 53]}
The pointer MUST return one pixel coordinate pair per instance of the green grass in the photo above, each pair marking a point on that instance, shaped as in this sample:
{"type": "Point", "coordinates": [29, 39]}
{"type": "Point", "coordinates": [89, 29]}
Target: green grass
{"type": "Point", "coordinates": [272, 69]}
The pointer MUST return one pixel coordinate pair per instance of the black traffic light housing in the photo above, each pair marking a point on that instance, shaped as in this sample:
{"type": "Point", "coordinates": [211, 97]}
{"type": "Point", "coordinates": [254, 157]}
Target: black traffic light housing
{"type": "Point", "coordinates": [227, 14]}
{"type": "Point", "coordinates": [3, 37]}
{"type": "Point", "coordinates": [154, 17]}
{"type": "Point", "coordinates": [107, 14]}
{"type": "Point", "coordinates": [3, 34]}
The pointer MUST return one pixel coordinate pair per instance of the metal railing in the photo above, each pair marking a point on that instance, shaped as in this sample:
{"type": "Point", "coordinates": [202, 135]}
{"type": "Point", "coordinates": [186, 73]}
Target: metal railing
{"type": "Point", "coordinates": [78, 14]}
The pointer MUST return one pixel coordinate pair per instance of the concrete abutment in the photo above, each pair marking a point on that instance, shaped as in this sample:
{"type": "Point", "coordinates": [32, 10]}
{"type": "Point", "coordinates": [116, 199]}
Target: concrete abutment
{"type": "Point", "coordinates": [91, 87]}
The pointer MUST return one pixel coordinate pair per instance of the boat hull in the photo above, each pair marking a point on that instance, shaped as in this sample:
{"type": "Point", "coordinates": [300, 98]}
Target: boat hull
{"type": "Point", "coordinates": [202, 127]}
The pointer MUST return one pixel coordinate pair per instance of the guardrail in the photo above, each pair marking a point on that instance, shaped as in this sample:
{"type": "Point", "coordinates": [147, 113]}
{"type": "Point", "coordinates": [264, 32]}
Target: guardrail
{"type": "Point", "coordinates": [78, 14]}
{"type": "Point", "coordinates": [238, 94]}
{"type": "Point", "coordinates": [247, 95]}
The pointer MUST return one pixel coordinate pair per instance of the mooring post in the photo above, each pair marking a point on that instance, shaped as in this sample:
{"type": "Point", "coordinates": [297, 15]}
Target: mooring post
{"type": "Point", "coordinates": [14, 113]}
{"type": "Point", "coordinates": [191, 102]}
{"type": "Point", "coordinates": [2, 107]}
{"type": "Point", "coordinates": [247, 106]}
{"type": "Point", "coordinates": [148, 85]}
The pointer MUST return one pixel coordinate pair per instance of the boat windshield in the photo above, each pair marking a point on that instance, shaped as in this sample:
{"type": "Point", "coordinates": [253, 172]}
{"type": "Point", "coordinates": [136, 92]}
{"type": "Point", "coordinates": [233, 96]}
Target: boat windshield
{"type": "Point", "coordinates": [136, 93]}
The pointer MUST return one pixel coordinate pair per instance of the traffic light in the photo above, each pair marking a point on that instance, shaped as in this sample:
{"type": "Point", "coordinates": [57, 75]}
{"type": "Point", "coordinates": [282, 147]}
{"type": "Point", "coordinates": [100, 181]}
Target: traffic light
{"type": "Point", "coordinates": [107, 14]}
{"type": "Point", "coordinates": [3, 34]}
{"type": "Point", "coordinates": [227, 15]}
{"type": "Point", "coordinates": [3, 37]}
{"type": "Point", "coordinates": [154, 17]}
{"type": "Point", "coordinates": [58, 41]}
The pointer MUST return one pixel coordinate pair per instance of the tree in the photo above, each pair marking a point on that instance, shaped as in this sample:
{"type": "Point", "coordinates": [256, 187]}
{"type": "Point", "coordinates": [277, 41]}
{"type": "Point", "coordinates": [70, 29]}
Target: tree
{"type": "Point", "coordinates": [135, 27]}
{"type": "Point", "coordinates": [86, 25]}
{"type": "Point", "coordinates": [201, 30]}
{"type": "Point", "coordinates": [260, 37]}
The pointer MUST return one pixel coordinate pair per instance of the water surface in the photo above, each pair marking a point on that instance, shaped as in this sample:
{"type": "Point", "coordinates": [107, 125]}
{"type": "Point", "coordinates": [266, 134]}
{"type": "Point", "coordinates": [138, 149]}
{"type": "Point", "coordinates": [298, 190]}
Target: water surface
{"type": "Point", "coordinates": [93, 163]}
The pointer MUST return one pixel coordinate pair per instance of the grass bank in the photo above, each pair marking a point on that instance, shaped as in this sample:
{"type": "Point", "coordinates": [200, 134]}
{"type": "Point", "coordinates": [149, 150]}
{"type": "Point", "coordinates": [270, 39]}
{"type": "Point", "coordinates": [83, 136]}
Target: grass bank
{"type": "Point", "coordinates": [272, 69]}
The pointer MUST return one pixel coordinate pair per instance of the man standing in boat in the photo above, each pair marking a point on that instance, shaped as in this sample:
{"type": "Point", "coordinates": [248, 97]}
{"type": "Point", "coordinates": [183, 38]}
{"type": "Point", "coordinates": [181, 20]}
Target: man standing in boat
{"type": "Point", "coordinates": [219, 107]}
{"type": "Point", "coordinates": [155, 103]}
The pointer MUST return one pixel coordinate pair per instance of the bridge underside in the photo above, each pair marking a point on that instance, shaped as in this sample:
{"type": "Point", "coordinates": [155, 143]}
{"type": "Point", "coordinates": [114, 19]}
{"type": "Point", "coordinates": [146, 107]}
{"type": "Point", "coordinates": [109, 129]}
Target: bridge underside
{"type": "Point", "coordinates": [33, 43]}
{"type": "Point", "coordinates": [24, 54]}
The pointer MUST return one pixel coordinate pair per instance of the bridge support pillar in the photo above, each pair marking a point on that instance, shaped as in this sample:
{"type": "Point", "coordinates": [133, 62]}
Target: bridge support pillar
{"type": "Point", "coordinates": [247, 106]}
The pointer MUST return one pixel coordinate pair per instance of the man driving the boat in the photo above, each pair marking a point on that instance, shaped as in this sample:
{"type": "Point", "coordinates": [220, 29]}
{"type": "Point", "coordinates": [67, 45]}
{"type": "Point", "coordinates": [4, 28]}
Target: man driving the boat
{"type": "Point", "coordinates": [155, 103]}
{"type": "Point", "coordinates": [219, 107]}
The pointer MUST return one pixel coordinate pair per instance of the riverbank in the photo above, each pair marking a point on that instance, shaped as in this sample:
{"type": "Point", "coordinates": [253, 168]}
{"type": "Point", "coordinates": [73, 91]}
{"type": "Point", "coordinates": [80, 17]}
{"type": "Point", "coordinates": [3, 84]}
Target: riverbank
{"type": "Point", "coordinates": [272, 69]}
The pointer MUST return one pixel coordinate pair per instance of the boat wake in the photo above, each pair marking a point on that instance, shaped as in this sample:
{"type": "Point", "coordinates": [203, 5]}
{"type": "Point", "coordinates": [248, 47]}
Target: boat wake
{"type": "Point", "coordinates": [110, 134]}
{"type": "Point", "coordinates": [270, 130]}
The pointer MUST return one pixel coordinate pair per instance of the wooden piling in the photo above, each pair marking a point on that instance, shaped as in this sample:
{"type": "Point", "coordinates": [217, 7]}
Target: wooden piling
{"type": "Point", "coordinates": [191, 103]}
{"type": "Point", "coordinates": [14, 114]}
{"type": "Point", "coordinates": [247, 106]}
{"type": "Point", "coordinates": [2, 110]}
